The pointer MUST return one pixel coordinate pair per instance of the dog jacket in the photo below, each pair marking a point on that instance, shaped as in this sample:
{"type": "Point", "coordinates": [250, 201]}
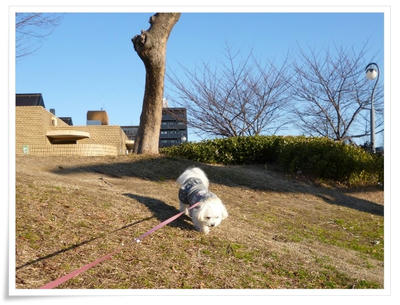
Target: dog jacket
{"type": "Point", "coordinates": [193, 191]}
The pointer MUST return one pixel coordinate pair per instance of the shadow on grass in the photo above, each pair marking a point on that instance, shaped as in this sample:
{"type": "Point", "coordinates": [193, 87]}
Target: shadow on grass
{"type": "Point", "coordinates": [79, 244]}
{"type": "Point", "coordinates": [162, 211]}
{"type": "Point", "coordinates": [255, 177]}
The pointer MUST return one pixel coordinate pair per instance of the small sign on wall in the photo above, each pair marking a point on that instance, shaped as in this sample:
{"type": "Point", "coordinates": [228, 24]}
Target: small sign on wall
{"type": "Point", "coordinates": [25, 149]}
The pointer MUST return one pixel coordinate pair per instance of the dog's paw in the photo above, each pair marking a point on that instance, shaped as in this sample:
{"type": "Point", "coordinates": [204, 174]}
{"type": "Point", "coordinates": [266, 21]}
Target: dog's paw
{"type": "Point", "coordinates": [205, 229]}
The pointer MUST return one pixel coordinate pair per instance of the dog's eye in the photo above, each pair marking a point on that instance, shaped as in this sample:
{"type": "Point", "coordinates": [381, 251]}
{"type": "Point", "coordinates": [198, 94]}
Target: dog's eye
{"type": "Point", "coordinates": [208, 217]}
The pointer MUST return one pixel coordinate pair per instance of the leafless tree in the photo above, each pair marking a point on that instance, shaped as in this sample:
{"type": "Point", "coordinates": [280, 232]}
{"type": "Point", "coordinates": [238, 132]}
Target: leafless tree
{"type": "Point", "coordinates": [243, 97]}
{"type": "Point", "coordinates": [332, 94]}
{"type": "Point", "coordinates": [151, 46]}
{"type": "Point", "coordinates": [31, 29]}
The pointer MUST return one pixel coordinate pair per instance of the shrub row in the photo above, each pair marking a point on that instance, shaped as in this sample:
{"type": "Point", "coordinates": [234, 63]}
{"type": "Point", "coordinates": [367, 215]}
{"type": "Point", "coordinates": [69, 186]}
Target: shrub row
{"type": "Point", "coordinates": [316, 157]}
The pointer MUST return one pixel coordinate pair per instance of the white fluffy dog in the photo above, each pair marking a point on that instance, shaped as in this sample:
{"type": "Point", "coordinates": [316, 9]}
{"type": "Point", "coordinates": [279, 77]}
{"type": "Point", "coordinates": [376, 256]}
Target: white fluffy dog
{"type": "Point", "coordinates": [194, 188]}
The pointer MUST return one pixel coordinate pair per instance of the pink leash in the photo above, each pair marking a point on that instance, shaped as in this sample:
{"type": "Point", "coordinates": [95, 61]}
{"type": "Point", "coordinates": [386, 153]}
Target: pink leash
{"type": "Point", "coordinates": [59, 281]}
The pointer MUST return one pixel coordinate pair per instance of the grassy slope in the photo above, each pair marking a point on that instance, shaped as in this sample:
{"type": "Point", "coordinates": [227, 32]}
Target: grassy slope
{"type": "Point", "coordinates": [281, 233]}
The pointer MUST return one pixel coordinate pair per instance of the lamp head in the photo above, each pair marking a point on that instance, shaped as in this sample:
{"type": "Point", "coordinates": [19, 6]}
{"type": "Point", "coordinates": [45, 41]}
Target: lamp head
{"type": "Point", "coordinates": [371, 71]}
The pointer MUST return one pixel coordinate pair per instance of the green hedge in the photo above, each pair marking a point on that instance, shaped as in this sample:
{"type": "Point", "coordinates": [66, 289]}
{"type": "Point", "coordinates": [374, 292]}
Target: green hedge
{"type": "Point", "coordinates": [317, 157]}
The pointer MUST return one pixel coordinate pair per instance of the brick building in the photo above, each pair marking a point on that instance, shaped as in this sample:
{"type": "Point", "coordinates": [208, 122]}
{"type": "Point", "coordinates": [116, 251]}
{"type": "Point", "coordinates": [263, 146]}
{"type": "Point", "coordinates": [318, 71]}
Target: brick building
{"type": "Point", "coordinates": [39, 132]}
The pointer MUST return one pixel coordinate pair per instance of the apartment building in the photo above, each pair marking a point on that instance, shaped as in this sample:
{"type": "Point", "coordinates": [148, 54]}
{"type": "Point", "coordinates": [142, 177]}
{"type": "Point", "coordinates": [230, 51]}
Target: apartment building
{"type": "Point", "coordinates": [173, 129]}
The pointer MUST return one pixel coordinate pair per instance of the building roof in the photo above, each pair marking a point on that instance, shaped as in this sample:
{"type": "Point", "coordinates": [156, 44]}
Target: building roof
{"type": "Point", "coordinates": [67, 120]}
{"type": "Point", "coordinates": [97, 115]}
{"type": "Point", "coordinates": [174, 109]}
{"type": "Point", "coordinates": [174, 114]}
{"type": "Point", "coordinates": [29, 99]}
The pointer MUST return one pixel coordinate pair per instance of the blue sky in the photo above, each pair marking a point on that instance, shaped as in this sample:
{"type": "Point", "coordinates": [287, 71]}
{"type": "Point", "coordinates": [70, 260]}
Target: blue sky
{"type": "Point", "coordinates": [88, 62]}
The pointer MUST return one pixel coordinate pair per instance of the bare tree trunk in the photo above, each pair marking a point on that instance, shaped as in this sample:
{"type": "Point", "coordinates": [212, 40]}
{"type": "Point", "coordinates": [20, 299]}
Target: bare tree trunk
{"type": "Point", "coordinates": [151, 47]}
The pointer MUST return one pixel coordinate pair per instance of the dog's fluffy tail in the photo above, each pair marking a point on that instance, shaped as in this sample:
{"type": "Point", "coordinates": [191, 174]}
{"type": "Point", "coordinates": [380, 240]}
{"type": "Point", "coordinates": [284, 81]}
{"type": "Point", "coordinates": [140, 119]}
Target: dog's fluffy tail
{"type": "Point", "coordinates": [193, 172]}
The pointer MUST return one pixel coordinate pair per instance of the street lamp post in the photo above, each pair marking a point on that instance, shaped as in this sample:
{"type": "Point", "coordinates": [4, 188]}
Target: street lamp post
{"type": "Point", "coordinates": [372, 72]}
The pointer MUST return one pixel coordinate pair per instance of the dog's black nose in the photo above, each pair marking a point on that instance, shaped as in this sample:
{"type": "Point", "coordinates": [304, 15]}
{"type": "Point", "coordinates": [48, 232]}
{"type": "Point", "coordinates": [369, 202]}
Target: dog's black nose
{"type": "Point", "coordinates": [212, 225]}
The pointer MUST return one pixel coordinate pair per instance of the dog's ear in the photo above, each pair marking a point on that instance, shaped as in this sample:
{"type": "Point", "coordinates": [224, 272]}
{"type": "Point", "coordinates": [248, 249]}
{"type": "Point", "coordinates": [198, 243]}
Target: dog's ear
{"type": "Point", "coordinates": [224, 212]}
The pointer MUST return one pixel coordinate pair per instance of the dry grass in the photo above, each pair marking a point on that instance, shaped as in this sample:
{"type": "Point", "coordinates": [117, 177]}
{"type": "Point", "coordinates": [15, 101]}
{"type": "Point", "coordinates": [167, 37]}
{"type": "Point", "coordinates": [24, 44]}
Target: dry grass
{"type": "Point", "coordinates": [281, 233]}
